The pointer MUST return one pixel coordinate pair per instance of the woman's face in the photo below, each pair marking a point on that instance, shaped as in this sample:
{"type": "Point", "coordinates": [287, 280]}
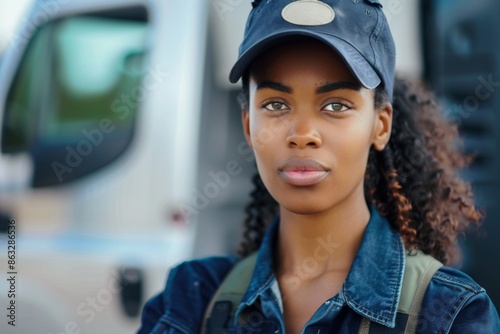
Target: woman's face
{"type": "Point", "coordinates": [311, 125]}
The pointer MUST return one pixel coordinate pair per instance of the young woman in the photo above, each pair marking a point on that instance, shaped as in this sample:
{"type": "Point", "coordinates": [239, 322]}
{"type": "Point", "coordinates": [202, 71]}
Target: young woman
{"type": "Point", "coordinates": [357, 172]}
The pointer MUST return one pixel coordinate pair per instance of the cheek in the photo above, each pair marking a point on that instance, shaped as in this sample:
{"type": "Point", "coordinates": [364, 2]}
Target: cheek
{"type": "Point", "coordinates": [265, 132]}
{"type": "Point", "coordinates": [268, 137]}
{"type": "Point", "coordinates": [350, 145]}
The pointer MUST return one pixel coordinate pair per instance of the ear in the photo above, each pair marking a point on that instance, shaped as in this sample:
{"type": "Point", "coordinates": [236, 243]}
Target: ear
{"type": "Point", "coordinates": [383, 126]}
{"type": "Point", "coordinates": [245, 120]}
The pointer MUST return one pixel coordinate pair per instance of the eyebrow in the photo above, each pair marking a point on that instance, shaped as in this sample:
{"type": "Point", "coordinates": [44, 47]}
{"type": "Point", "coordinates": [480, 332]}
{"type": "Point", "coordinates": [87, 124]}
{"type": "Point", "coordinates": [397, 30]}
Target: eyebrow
{"type": "Point", "coordinates": [276, 86]}
{"type": "Point", "coordinates": [328, 87]}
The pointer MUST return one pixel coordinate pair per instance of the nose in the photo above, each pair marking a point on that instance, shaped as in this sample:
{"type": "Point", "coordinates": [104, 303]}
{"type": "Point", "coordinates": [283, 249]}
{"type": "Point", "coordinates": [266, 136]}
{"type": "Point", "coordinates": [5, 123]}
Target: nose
{"type": "Point", "coordinates": [303, 134]}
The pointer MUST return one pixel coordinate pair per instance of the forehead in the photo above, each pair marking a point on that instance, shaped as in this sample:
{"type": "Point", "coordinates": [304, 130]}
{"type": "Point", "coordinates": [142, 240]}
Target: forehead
{"type": "Point", "coordinates": [300, 58]}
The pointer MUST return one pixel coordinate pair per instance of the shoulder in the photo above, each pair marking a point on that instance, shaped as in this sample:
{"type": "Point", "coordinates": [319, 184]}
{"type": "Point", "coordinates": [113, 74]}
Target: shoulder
{"type": "Point", "coordinates": [455, 303]}
{"type": "Point", "coordinates": [208, 271]}
{"type": "Point", "coordinates": [189, 288]}
{"type": "Point", "coordinates": [453, 279]}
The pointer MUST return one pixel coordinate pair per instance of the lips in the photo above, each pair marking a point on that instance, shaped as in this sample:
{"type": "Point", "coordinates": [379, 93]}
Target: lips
{"type": "Point", "coordinates": [303, 172]}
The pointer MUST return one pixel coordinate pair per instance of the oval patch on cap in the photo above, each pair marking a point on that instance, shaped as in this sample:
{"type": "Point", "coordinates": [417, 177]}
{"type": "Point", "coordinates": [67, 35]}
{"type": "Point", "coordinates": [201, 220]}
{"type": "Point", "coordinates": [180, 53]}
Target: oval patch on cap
{"type": "Point", "coordinates": [308, 13]}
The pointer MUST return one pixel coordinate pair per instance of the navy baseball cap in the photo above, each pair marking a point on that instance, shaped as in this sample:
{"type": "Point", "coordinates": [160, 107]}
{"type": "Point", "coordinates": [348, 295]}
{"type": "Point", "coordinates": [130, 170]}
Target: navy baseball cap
{"type": "Point", "coordinates": [357, 29]}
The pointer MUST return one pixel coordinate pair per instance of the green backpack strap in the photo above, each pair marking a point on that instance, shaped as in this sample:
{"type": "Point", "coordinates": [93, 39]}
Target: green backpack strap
{"type": "Point", "coordinates": [228, 296]}
{"type": "Point", "coordinates": [419, 270]}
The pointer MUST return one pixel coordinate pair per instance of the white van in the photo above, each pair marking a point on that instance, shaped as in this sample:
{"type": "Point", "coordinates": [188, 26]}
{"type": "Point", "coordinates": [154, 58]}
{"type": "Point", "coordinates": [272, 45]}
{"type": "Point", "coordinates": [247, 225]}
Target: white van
{"type": "Point", "coordinates": [100, 105]}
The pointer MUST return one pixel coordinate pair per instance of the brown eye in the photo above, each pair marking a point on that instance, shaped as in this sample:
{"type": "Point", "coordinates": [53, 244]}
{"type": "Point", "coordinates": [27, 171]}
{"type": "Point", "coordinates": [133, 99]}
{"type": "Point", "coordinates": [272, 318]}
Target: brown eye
{"type": "Point", "coordinates": [276, 106]}
{"type": "Point", "coordinates": [336, 107]}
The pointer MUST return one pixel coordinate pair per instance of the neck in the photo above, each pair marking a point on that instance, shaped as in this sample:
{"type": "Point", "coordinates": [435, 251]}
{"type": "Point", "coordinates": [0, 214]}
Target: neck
{"type": "Point", "coordinates": [312, 245]}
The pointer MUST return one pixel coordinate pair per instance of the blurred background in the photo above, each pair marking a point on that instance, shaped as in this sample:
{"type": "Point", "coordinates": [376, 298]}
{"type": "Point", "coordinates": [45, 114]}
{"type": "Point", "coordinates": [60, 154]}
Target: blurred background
{"type": "Point", "coordinates": [122, 152]}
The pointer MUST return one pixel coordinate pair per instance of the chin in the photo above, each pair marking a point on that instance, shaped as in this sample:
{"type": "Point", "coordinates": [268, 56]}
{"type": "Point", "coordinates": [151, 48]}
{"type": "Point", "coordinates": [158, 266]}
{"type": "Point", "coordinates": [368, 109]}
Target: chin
{"type": "Point", "coordinates": [303, 206]}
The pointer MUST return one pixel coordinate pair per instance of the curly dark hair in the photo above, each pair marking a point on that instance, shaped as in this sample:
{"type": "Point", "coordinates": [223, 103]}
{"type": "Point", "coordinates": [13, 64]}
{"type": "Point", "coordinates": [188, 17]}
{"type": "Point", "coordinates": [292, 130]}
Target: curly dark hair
{"type": "Point", "coordinates": [414, 181]}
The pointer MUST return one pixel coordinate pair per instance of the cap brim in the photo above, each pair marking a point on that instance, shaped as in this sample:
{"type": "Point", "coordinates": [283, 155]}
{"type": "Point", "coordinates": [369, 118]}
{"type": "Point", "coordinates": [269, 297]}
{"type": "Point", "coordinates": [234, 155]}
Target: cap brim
{"type": "Point", "coordinates": [358, 65]}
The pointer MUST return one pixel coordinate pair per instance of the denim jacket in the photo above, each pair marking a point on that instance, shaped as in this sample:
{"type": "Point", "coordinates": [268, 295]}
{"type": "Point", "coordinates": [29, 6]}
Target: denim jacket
{"type": "Point", "coordinates": [453, 303]}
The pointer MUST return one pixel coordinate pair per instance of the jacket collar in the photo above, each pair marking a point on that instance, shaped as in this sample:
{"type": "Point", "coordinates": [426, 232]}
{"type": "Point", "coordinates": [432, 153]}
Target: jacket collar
{"type": "Point", "coordinates": [373, 285]}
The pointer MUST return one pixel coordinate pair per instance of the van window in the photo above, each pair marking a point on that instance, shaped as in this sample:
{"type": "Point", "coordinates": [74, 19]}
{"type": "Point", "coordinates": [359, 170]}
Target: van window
{"type": "Point", "coordinates": [77, 92]}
